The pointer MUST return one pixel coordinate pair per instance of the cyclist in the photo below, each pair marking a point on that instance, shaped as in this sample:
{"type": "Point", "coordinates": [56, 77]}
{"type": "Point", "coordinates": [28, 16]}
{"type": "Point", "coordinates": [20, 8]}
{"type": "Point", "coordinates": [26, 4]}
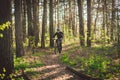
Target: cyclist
{"type": "Point", "coordinates": [59, 35]}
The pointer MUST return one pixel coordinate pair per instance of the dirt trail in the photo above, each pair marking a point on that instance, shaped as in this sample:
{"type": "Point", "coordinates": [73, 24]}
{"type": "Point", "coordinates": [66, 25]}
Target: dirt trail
{"type": "Point", "coordinates": [54, 70]}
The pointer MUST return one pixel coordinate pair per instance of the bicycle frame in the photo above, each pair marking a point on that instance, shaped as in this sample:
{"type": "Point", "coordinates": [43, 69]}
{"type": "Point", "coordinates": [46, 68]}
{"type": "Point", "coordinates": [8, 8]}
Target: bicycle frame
{"type": "Point", "coordinates": [56, 45]}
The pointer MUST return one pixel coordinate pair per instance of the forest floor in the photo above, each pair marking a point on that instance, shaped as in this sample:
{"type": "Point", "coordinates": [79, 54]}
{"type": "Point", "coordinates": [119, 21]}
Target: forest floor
{"type": "Point", "coordinates": [102, 62]}
{"type": "Point", "coordinates": [53, 68]}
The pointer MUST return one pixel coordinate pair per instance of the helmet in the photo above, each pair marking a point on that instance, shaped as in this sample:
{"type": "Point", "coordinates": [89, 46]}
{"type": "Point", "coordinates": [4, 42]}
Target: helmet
{"type": "Point", "coordinates": [58, 29]}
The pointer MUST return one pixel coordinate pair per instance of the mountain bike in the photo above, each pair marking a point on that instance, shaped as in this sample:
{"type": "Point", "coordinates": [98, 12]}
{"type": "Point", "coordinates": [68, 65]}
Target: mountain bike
{"type": "Point", "coordinates": [57, 46]}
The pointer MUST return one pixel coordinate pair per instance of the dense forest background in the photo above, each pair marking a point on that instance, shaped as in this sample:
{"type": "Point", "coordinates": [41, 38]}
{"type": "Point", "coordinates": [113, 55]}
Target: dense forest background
{"type": "Point", "coordinates": [26, 25]}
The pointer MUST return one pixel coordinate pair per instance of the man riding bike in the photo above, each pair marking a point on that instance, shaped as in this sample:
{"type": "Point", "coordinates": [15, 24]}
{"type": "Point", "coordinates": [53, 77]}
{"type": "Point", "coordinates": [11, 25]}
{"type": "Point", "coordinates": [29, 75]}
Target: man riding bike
{"type": "Point", "coordinates": [59, 35]}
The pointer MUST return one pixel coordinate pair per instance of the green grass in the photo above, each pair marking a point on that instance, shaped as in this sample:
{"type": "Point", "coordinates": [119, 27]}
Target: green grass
{"type": "Point", "coordinates": [23, 63]}
{"type": "Point", "coordinates": [96, 61]}
{"type": "Point", "coordinates": [95, 65]}
{"type": "Point", "coordinates": [21, 78]}
{"type": "Point", "coordinates": [66, 60]}
{"type": "Point", "coordinates": [72, 63]}
{"type": "Point", "coordinates": [28, 63]}
{"type": "Point", "coordinates": [20, 63]}
{"type": "Point", "coordinates": [36, 64]}
{"type": "Point", "coordinates": [39, 54]}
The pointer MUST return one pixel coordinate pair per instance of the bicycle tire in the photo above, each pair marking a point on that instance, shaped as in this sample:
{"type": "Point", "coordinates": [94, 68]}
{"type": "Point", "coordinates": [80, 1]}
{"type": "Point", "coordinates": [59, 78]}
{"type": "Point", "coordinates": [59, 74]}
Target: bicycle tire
{"type": "Point", "coordinates": [58, 46]}
{"type": "Point", "coordinates": [55, 48]}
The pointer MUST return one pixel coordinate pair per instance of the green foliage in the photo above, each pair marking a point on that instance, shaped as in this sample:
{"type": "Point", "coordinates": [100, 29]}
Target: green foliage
{"type": "Point", "coordinates": [118, 49]}
{"type": "Point", "coordinates": [65, 59]}
{"type": "Point", "coordinates": [27, 64]}
{"type": "Point", "coordinates": [95, 61]}
{"type": "Point", "coordinates": [95, 65]}
{"type": "Point", "coordinates": [20, 63]}
{"type": "Point", "coordinates": [98, 63]}
{"type": "Point", "coordinates": [1, 35]}
{"type": "Point", "coordinates": [32, 41]}
{"type": "Point", "coordinates": [103, 48]}
{"type": "Point", "coordinates": [23, 63]}
{"type": "Point", "coordinates": [72, 63]}
{"type": "Point", "coordinates": [36, 63]}
{"type": "Point", "coordinates": [4, 26]}
{"type": "Point", "coordinates": [38, 54]}
{"type": "Point", "coordinates": [2, 75]}
{"type": "Point", "coordinates": [21, 78]}
{"type": "Point", "coordinates": [82, 37]}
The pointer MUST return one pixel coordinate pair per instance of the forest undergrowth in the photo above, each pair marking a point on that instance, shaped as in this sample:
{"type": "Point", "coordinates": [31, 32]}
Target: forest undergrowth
{"type": "Point", "coordinates": [101, 62]}
{"type": "Point", "coordinates": [98, 61]}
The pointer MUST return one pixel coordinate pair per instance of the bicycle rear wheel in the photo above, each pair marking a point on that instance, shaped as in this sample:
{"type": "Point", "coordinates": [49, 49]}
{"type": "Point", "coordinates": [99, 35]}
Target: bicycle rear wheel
{"type": "Point", "coordinates": [55, 48]}
{"type": "Point", "coordinates": [59, 46]}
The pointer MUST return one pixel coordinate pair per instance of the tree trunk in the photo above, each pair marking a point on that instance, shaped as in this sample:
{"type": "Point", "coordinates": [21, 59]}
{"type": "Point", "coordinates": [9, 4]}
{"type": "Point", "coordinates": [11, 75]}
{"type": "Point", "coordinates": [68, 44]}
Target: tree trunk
{"type": "Point", "coordinates": [18, 28]}
{"type": "Point", "coordinates": [58, 21]}
{"type": "Point", "coordinates": [113, 20]}
{"type": "Point", "coordinates": [81, 23]}
{"type": "Point", "coordinates": [73, 19]}
{"type": "Point", "coordinates": [103, 33]}
{"type": "Point", "coordinates": [51, 23]}
{"type": "Point", "coordinates": [55, 16]}
{"type": "Point", "coordinates": [107, 23]}
{"type": "Point", "coordinates": [24, 20]}
{"type": "Point", "coordinates": [36, 20]}
{"type": "Point", "coordinates": [6, 55]}
{"type": "Point", "coordinates": [70, 17]}
{"type": "Point", "coordinates": [30, 22]}
{"type": "Point", "coordinates": [94, 35]}
{"type": "Point", "coordinates": [44, 24]}
{"type": "Point", "coordinates": [88, 23]}
{"type": "Point", "coordinates": [64, 18]}
{"type": "Point", "coordinates": [118, 27]}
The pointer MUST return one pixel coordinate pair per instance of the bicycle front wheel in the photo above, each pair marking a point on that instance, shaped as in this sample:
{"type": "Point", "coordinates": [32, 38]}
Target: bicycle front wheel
{"type": "Point", "coordinates": [55, 48]}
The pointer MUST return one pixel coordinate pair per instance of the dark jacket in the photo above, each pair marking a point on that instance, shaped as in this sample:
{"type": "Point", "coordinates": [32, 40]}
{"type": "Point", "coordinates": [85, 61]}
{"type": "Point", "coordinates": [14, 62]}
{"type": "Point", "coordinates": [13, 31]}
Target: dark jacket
{"type": "Point", "coordinates": [59, 35]}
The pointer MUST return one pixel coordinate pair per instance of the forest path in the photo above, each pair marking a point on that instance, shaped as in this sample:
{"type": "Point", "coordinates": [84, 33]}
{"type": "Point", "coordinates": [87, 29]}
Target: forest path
{"type": "Point", "coordinates": [53, 69]}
